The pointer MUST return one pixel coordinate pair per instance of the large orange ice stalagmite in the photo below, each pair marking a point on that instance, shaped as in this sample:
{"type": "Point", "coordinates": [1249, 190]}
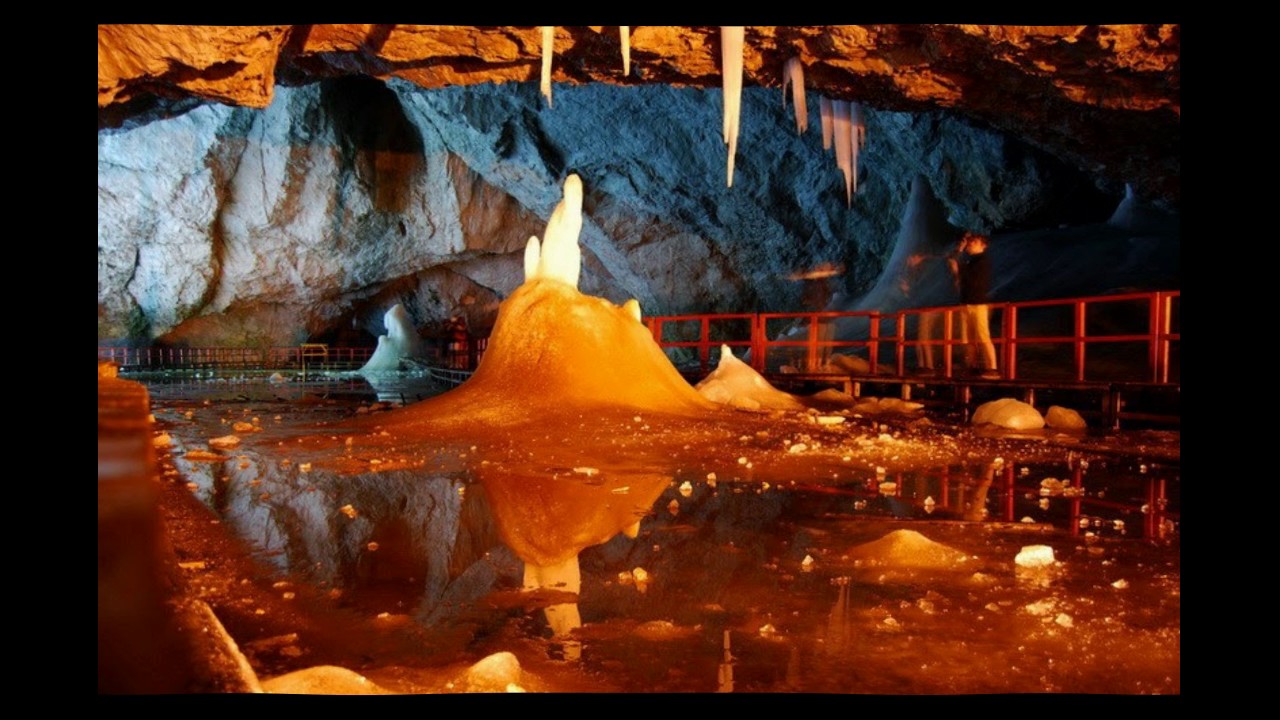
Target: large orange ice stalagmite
{"type": "Point", "coordinates": [556, 351]}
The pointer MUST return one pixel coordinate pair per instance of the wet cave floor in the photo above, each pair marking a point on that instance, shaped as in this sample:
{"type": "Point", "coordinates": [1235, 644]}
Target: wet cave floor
{"type": "Point", "coordinates": [775, 552]}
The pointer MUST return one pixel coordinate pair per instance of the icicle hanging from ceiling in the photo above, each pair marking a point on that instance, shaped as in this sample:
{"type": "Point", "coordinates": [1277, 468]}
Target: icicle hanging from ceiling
{"type": "Point", "coordinates": [825, 105]}
{"type": "Point", "coordinates": [625, 32]}
{"type": "Point", "coordinates": [843, 131]}
{"type": "Point", "coordinates": [548, 47]}
{"type": "Point", "coordinates": [732, 39]}
{"type": "Point", "coordinates": [793, 73]}
{"type": "Point", "coordinates": [857, 138]}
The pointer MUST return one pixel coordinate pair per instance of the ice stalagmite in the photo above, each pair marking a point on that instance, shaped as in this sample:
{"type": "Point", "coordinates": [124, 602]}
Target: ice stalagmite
{"type": "Point", "coordinates": [625, 32]}
{"type": "Point", "coordinates": [793, 72]}
{"type": "Point", "coordinates": [548, 47]}
{"type": "Point", "coordinates": [558, 256]}
{"type": "Point", "coordinates": [732, 39]}
{"type": "Point", "coordinates": [842, 128]}
{"type": "Point", "coordinates": [825, 105]}
{"type": "Point", "coordinates": [532, 252]}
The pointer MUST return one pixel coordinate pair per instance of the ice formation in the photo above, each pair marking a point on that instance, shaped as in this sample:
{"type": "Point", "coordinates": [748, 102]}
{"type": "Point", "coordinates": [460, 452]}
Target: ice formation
{"type": "Point", "coordinates": [1008, 413]}
{"type": "Point", "coordinates": [401, 341]}
{"type": "Point", "coordinates": [732, 39]}
{"type": "Point", "coordinates": [827, 111]}
{"type": "Point", "coordinates": [548, 48]}
{"type": "Point", "coordinates": [1064, 418]}
{"type": "Point", "coordinates": [1035, 556]}
{"type": "Point", "coordinates": [625, 32]}
{"type": "Point", "coordinates": [889, 405]}
{"type": "Point", "coordinates": [908, 549]}
{"type": "Point", "coordinates": [738, 385]}
{"type": "Point", "coordinates": [323, 680]}
{"type": "Point", "coordinates": [558, 257]}
{"type": "Point", "coordinates": [793, 73]}
{"type": "Point", "coordinates": [843, 132]}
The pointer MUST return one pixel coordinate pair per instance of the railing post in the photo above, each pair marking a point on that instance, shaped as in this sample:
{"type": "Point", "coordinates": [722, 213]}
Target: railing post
{"type": "Point", "coordinates": [1079, 339]}
{"type": "Point", "coordinates": [1010, 333]}
{"type": "Point", "coordinates": [873, 342]}
{"type": "Point", "coordinates": [704, 338]}
{"type": "Point", "coordinates": [1166, 328]}
{"type": "Point", "coordinates": [901, 330]}
{"type": "Point", "coordinates": [1155, 311]}
{"type": "Point", "coordinates": [946, 342]}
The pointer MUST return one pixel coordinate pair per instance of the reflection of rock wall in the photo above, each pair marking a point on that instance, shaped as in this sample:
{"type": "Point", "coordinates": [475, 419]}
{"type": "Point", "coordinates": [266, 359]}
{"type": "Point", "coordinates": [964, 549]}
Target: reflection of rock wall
{"type": "Point", "coordinates": [296, 519]}
{"type": "Point", "coordinates": [229, 225]}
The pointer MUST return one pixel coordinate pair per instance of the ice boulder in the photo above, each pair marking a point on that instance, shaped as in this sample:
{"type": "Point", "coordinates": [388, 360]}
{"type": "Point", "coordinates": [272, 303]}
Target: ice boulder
{"type": "Point", "coordinates": [1064, 418]}
{"type": "Point", "coordinates": [737, 384]}
{"type": "Point", "coordinates": [1008, 413]}
{"type": "Point", "coordinates": [322, 680]}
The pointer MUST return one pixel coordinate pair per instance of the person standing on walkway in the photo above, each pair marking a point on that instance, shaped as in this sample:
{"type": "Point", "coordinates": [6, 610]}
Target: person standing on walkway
{"type": "Point", "coordinates": [973, 273]}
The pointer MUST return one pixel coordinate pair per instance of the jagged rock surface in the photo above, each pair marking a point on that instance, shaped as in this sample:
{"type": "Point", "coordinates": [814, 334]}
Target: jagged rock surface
{"type": "Point", "coordinates": [231, 225]}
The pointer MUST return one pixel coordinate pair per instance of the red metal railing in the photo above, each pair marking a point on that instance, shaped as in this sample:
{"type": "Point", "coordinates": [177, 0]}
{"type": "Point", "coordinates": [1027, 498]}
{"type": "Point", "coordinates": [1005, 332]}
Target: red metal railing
{"type": "Point", "coordinates": [807, 338]}
{"type": "Point", "coordinates": [200, 358]}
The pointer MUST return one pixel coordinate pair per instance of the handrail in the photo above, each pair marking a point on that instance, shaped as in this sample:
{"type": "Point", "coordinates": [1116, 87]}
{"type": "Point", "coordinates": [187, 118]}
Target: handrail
{"type": "Point", "coordinates": [811, 332]}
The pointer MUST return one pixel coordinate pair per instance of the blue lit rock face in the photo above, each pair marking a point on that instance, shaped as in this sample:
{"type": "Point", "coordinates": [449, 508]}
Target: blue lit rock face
{"type": "Point", "coordinates": [231, 226]}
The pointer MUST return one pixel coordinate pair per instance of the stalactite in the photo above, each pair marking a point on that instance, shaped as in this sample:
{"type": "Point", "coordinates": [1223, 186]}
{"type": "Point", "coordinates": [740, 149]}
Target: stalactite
{"type": "Point", "coordinates": [858, 137]}
{"type": "Point", "coordinates": [732, 39]}
{"type": "Point", "coordinates": [548, 48]}
{"type": "Point", "coordinates": [793, 73]}
{"type": "Point", "coordinates": [825, 105]}
{"type": "Point", "coordinates": [625, 32]}
{"type": "Point", "coordinates": [842, 129]}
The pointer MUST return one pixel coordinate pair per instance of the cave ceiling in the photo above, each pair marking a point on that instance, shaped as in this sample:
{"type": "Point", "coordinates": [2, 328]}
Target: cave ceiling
{"type": "Point", "coordinates": [1104, 98]}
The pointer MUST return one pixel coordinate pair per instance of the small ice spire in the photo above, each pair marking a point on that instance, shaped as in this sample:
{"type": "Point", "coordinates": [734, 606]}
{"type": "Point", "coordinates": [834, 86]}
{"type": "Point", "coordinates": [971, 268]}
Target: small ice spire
{"type": "Point", "coordinates": [793, 73]}
{"type": "Point", "coordinates": [548, 47]}
{"type": "Point", "coordinates": [532, 254]}
{"type": "Point", "coordinates": [858, 127]}
{"type": "Point", "coordinates": [625, 32]}
{"type": "Point", "coordinates": [732, 39]}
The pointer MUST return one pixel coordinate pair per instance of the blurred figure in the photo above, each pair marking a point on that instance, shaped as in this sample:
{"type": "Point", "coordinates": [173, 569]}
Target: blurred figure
{"type": "Point", "coordinates": [929, 323]}
{"type": "Point", "coordinates": [972, 272]}
{"type": "Point", "coordinates": [459, 340]}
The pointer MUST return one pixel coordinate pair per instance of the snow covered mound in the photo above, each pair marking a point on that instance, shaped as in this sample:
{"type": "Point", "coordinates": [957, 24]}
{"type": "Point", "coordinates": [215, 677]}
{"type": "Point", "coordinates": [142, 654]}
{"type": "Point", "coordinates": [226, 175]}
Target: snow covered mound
{"type": "Point", "coordinates": [908, 549]}
{"type": "Point", "coordinates": [401, 341]}
{"type": "Point", "coordinates": [322, 680]}
{"type": "Point", "coordinates": [1064, 418]}
{"type": "Point", "coordinates": [737, 384]}
{"type": "Point", "coordinates": [1008, 413]}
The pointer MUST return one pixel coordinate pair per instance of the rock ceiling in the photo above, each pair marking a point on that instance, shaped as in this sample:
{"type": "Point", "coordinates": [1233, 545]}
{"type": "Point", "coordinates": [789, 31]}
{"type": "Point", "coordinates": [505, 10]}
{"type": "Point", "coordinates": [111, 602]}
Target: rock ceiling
{"type": "Point", "coordinates": [1104, 98]}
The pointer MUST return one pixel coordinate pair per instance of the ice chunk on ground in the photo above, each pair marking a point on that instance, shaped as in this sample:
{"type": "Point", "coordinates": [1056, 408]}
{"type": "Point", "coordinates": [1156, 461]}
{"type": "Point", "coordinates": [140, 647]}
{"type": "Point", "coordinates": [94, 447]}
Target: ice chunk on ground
{"type": "Point", "coordinates": [224, 442]}
{"type": "Point", "coordinates": [908, 549]}
{"type": "Point", "coordinates": [737, 384]}
{"type": "Point", "coordinates": [323, 680]}
{"type": "Point", "coordinates": [1008, 413]}
{"type": "Point", "coordinates": [877, 406]}
{"type": "Point", "coordinates": [161, 440]}
{"type": "Point", "coordinates": [1064, 418]}
{"type": "Point", "coordinates": [277, 378]}
{"type": "Point", "coordinates": [1035, 556]}
{"type": "Point", "coordinates": [492, 674]}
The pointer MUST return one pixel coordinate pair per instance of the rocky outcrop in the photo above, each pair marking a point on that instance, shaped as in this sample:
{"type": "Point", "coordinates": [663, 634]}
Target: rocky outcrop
{"type": "Point", "coordinates": [1107, 98]}
{"type": "Point", "coordinates": [233, 225]}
